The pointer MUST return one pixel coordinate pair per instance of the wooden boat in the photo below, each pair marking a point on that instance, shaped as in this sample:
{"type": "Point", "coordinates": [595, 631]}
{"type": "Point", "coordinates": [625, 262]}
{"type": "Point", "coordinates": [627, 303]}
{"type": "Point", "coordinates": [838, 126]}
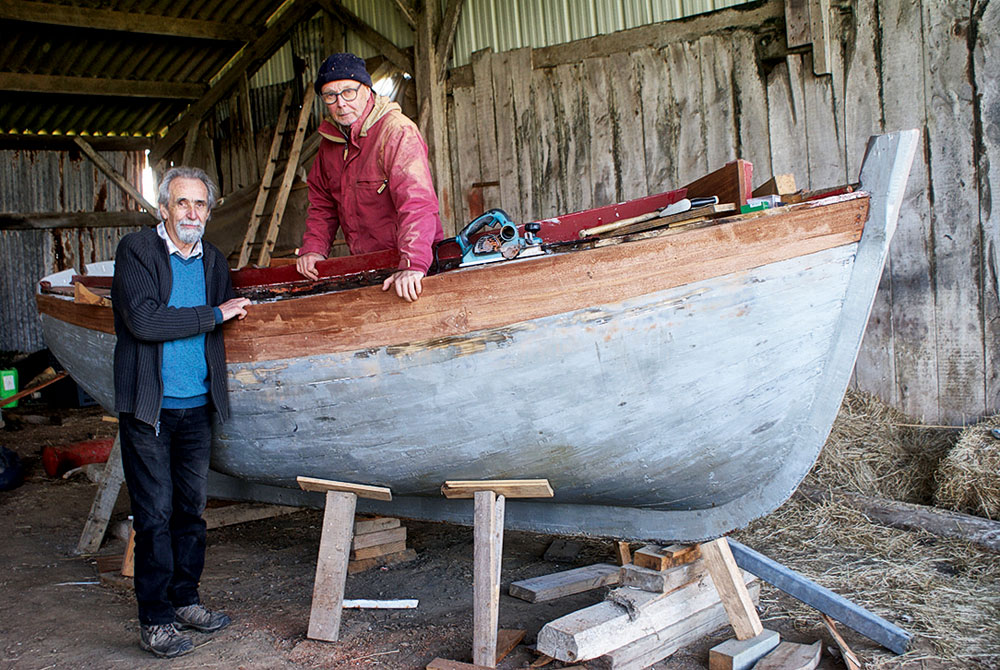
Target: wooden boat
{"type": "Point", "coordinates": [672, 384]}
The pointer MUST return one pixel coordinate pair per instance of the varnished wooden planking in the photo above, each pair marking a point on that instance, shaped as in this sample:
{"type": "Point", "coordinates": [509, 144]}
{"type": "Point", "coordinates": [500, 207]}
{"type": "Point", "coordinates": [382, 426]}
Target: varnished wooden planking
{"type": "Point", "coordinates": [626, 121]}
{"type": "Point", "coordinates": [717, 97]}
{"type": "Point", "coordinates": [602, 162]}
{"type": "Point", "coordinates": [686, 98]}
{"type": "Point", "coordinates": [985, 57]}
{"type": "Point", "coordinates": [954, 215]}
{"type": "Point", "coordinates": [786, 120]}
{"type": "Point", "coordinates": [462, 301]}
{"type": "Point", "coordinates": [93, 317]}
{"type": "Point", "coordinates": [659, 127]}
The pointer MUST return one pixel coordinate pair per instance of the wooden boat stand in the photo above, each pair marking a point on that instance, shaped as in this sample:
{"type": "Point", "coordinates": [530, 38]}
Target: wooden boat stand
{"type": "Point", "coordinates": [334, 551]}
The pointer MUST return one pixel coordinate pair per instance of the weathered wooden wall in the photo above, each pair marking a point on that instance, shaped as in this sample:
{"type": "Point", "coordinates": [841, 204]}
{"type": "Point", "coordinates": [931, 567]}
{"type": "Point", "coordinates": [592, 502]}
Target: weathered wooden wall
{"type": "Point", "coordinates": [548, 131]}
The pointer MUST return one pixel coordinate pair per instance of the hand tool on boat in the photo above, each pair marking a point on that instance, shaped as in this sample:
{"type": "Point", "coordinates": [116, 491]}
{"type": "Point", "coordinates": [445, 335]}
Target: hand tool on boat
{"type": "Point", "coordinates": [506, 244]}
{"type": "Point", "coordinates": [682, 205]}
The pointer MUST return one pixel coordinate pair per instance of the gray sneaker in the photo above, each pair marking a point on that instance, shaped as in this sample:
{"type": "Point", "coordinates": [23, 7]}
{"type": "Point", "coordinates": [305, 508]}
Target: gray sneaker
{"type": "Point", "coordinates": [200, 618]}
{"type": "Point", "coordinates": [164, 640]}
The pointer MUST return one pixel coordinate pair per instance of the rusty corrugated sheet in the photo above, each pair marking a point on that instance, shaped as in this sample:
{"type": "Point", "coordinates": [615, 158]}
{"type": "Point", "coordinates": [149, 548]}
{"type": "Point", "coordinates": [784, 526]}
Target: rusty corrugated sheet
{"type": "Point", "coordinates": [511, 24]}
{"type": "Point", "coordinates": [28, 255]}
{"type": "Point", "coordinates": [60, 181]}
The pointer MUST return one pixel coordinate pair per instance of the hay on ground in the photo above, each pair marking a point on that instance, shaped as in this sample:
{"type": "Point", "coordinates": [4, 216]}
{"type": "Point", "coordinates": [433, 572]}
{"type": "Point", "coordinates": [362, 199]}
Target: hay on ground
{"type": "Point", "coordinates": [968, 478]}
{"type": "Point", "coordinates": [877, 450]}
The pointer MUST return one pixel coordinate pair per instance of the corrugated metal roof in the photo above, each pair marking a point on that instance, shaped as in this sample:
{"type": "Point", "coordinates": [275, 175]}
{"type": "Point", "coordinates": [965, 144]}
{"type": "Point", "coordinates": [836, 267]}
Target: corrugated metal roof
{"type": "Point", "coordinates": [512, 24]}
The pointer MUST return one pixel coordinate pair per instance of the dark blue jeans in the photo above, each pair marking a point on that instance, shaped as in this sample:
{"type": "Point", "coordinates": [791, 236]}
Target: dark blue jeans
{"type": "Point", "coordinates": [166, 475]}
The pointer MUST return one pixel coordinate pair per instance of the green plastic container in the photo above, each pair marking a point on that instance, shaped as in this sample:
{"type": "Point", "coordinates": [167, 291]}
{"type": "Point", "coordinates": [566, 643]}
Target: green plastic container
{"type": "Point", "coordinates": [8, 386]}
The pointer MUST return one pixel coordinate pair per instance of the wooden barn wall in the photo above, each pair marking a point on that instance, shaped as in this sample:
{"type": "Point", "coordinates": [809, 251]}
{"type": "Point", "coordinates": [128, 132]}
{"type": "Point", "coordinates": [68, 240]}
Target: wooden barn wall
{"type": "Point", "coordinates": [553, 130]}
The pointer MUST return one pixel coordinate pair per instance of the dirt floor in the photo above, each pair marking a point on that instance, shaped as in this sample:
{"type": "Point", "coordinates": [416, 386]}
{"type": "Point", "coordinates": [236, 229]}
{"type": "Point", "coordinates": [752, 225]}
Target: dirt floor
{"type": "Point", "coordinates": [54, 613]}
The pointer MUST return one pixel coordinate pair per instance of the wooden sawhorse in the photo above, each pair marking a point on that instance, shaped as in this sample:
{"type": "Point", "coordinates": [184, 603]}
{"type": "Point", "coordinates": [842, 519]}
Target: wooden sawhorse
{"type": "Point", "coordinates": [334, 551]}
{"type": "Point", "coordinates": [488, 550]}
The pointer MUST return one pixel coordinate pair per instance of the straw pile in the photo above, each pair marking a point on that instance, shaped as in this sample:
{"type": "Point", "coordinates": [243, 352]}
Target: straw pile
{"type": "Point", "coordinates": [877, 450]}
{"type": "Point", "coordinates": [968, 479]}
{"type": "Point", "coordinates": [942, 591]}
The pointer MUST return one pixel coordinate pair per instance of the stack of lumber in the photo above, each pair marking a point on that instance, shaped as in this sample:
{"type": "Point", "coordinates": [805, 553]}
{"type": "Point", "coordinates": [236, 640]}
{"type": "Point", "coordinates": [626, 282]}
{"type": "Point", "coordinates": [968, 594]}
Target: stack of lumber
{"type": "Point", "coordinates": [667, 600]}
{"type": "Point", "coordinates": [378, 541]}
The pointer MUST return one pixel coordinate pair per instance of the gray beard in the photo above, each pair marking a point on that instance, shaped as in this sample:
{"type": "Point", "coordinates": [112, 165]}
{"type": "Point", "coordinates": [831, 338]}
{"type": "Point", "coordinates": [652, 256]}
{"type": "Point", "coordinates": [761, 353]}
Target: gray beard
{"type": "Point", "coordinates": [188, 235]}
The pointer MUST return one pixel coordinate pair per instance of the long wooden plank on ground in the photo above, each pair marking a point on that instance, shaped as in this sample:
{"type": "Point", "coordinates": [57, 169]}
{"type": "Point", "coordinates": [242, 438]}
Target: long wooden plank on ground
{"type": "Point", "coordinates": [508, 488]}
{"type": "Point", "coordinates": [362, 564]}
{"type": "Point", "coordinates": [331, 566]}
{"type": "Point", "coordinates": [727, 577]}
{"type": "Point", "coordinates": [565, 583]}
{"type": "Point", "coordinates": [604, 627]}
{"type": "Point", "coordinates": [257, 213]}
{"type": "Point", "coordinates": [360, 490]}
{"type": "Point", "coordinates": [104, 501]}
{"type": "Point", "coordinates": [660, 644]}
{"type": "Point", "coordinates": [286, 183]}
{"type": "Point", "coordinates": [217, 517]}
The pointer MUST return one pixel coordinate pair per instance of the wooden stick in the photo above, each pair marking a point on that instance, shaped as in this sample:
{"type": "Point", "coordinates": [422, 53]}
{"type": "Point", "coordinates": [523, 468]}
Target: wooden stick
{"type": "Point", "coordinates": [331, 566]}
{"type": "Point", "coordinates": [488, 548]}
{"type": "Point", "coordinates": [113, 174]}
{"type": "Point", "coordinates": [728, 580]}
{"type": "Point", "coordinates": [37, 387]}
{"type": "Point", "coordinates": [615, 225]}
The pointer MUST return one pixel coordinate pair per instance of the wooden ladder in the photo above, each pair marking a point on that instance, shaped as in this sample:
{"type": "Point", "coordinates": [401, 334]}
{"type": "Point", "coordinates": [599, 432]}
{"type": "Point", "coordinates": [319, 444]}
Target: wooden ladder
{"type": "Point", "coordinates": [257, 214]}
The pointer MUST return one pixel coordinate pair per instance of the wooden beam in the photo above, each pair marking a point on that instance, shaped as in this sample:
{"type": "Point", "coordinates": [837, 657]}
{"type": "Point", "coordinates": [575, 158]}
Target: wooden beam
{"type": "Point", "coordinates": [383, 44]}
{"type": "Point", "coordinates": [728, 580]}
{"type": "Point", "coordinates": [126, 88]}
{"type": "Point", "coordinates": [446, 38]}
{"type": "Point", "coordinates": [246, 63]}
{"type": "Point", "coordinates": [407, 10]}
{"type": "Point", "coordinates": [487, 552]}
{"type": "Point", "coordinates": [132, 22]}
{"type": "Point", "coordinates": [331, 566]}
{"type": "Point", "coordinates": [113, 174]}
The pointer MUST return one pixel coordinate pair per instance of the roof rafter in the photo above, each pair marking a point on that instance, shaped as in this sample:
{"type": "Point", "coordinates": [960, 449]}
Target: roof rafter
{"type": "Point", "coordinates": [396, 56]}
{"type": "Point", "coordinates": [127, 88]}
{"type": "Point", "coordinates": [110, 19]}
{"type": "Point", "coordinates": [247, 62]}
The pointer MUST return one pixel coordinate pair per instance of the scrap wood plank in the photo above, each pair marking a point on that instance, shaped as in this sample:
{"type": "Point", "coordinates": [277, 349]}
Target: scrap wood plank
{"type": "Point", "coordinates": [360, 565]}
{"type": "Point", "coordinates": [850, 660]}
{"type": "Point", "coordinates": [331, 566]}
{"type": "Point", "coordinates": [565, 583]}
{"type": "Point", "coordinates": [365, 525]}
{"type": "Point", "coordinates": [663, 581]}
{"type": "Point", "coordinates": [378, 550]}
{"type": "Point", "coordinates": [447, 664]}
{"type": "Point", "coordinates": [507, 639]}
{"type": "Point", "coordinates": [660, 644]}
{"type": "Point", "coordinates": [360, 490]}
{"type": "Point", "coordinates": [779, 184]}
{"type": "Point", "coordinates": [792, 656]}
{"type": "Point", "coordinates": [655, 557]}
{"type": "Point", "coordinates": [286, 183]}
{"type": "Point", "coordinates": [624, 552]}
{"type": "Point", "coordinates": [217, 517]}
{"type": "Point", "coordinates": [726, 576]}
{"type": "Point", "coordinates": [730, 182]}
{"type": "Point", "coordinates": [508, 488]}
{"type": "Point", "coordinates": [604, 627]}
{"type": "Point", "coordinates": [388, 536]}
{"type": "Point", "coordinates": [257, 213]}
{"type": "Point", "coordinates": [104, 501]}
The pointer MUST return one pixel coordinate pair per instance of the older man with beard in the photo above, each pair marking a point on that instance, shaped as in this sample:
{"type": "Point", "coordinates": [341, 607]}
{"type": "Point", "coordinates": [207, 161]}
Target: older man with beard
{"type": "Point", "coordinates": [171, 293]}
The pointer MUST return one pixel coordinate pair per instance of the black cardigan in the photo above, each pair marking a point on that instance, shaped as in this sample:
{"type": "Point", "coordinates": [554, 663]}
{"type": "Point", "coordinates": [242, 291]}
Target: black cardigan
{"type": "Point", "coordinates": [140, 292]}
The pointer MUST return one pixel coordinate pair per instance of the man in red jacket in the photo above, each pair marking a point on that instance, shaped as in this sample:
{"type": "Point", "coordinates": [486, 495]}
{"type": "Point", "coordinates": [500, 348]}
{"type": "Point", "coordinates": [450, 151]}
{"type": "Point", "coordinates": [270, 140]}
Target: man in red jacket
{"type": "Point", "coordinates": [371, 179]}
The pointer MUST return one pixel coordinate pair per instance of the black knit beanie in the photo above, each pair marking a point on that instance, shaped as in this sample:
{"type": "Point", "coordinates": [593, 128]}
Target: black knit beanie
{"type": "Point", "coordinates": [342, 66]}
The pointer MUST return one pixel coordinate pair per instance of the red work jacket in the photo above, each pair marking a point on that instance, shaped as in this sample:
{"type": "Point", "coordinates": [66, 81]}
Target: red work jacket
{"type": "Point", "coordinates": [376, 187]}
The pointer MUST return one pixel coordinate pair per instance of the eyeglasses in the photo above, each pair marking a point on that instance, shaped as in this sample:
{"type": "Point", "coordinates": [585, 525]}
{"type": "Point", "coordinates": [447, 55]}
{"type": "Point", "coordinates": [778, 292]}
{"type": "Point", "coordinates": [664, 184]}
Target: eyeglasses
{"type": "Point", "coordinates": [348, 94]}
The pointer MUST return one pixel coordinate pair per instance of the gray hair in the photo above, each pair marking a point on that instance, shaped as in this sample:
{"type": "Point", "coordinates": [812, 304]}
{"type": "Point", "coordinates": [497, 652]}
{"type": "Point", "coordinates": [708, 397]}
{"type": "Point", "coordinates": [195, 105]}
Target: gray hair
{"type": "Point", "coordinates": [187, 173]}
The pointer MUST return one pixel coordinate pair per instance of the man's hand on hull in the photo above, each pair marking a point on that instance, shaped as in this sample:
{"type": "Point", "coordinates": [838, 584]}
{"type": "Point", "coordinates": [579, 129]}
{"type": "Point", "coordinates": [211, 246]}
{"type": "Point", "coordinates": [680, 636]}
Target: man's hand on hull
{"type": "Point", "coordinates": [407, 284]}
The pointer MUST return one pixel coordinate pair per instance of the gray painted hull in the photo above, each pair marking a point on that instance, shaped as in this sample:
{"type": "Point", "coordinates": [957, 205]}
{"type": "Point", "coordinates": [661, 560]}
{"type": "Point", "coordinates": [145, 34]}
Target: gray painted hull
{"type": "Point", "coordinates": [679, 415]}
